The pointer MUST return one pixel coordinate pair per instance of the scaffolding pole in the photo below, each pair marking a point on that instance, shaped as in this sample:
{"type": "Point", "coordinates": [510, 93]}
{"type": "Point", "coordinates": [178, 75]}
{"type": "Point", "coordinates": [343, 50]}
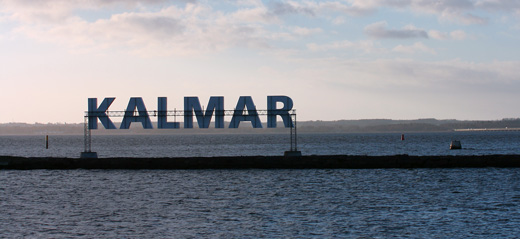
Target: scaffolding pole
{"type": "Point", "coordinates": [87, 136]}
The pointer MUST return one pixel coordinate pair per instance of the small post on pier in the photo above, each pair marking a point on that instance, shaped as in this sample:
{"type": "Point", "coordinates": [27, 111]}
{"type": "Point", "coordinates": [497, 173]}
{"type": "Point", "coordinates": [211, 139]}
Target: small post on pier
{"type": "Point", "coordinates": [46, 141]}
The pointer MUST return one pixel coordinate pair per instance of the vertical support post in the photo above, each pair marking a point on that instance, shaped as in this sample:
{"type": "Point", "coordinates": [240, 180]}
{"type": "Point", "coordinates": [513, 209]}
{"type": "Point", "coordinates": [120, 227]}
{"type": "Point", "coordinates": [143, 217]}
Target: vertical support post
{"type": "Point", "coordinates": [294, 138]}
{"type": "Point", "coordinates": [295, 134]}
{"type": "Point", "coordinates": [291, 135]}
{"type": "Point", "coordinates": [85, 126]}
{"type": "Point", "coordinates": [87, 139]}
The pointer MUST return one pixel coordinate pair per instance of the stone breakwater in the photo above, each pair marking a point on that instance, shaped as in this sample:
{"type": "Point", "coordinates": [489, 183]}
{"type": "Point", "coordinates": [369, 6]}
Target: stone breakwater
{"type": "Point", "coordinates": [264, 162]}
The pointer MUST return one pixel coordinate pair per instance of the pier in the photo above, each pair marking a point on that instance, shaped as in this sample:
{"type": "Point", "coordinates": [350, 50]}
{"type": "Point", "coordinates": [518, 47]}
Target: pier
{"type": "Point", "coordinates": [265, 162]}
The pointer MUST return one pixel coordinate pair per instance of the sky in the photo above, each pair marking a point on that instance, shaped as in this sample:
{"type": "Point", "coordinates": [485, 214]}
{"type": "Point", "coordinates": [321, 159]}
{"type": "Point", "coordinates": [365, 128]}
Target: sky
{"type": "Point", "coordinates": [345, 59]}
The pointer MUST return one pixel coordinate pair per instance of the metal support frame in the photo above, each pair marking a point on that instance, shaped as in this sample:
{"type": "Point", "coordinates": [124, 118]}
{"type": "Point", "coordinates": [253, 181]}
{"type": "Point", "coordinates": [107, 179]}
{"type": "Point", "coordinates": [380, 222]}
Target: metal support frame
{"type": "Point", "coordinates": [88, 132]}
{"type": "Point", "coordinates": [154, 113]}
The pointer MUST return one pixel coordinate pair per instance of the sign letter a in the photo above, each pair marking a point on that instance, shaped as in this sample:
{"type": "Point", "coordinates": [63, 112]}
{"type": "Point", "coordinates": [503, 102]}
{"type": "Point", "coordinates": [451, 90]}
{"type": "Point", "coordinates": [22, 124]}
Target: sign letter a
{"type": "Point", "coordinates": [143, 117]}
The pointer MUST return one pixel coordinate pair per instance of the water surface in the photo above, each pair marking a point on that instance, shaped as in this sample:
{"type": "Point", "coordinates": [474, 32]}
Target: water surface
{"type": "Point", "coordinates": [207, 145]}
{"type": "Point", "coordinates": [418, 203]}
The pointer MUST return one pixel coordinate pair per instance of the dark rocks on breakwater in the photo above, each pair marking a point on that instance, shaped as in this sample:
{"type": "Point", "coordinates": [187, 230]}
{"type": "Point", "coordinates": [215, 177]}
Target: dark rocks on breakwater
{"type": "Point", "coordinates": [264, 162]}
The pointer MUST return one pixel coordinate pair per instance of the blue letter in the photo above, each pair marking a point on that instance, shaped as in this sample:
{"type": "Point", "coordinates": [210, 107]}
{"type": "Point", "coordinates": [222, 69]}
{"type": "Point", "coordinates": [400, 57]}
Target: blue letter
{"type": "Point", "coordinates": [216, 103]}
{"type": "Point", "coordinates": [95, 113]}
{"type": "Point", "coordinates": [162, 122]}
{"type": "Point", "coordinates": [252, 115]}
{"type": "Point", "coordinates": [272, 111]}
{"type": "Point", "coordinates": [136, 102]}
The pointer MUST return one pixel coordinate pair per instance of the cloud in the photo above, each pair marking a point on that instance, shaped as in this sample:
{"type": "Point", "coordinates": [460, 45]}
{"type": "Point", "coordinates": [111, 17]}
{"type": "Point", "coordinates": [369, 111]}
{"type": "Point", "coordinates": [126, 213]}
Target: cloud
{"type": "Point", "coordinates": [55, 11]}
{"type": "Point", "coordinates": [498, 5]}
{"type": "Point", "coordinates": [156, 27]}
{"type": "Point", "coordinates": [304, 31]}
{"type": "Point", "coordinates": [160, 26]}
{"type": "Point", "coordinates": [458, 11]}
{"type": "Point", "coordinates": [324, 8]}
{"type": "Point", "coordinates": [454, 35]}
{"type": "Point", "coordinates": [378, 30]}
{"type": "Point", "coordinates": [338, 20]}
{"type": "Point", "coordinates": [332, 46]}
{"type": "Point", "coordinates": [464, 18]}
{"type": "Point", "coordinates": [282, 8]}
{"type": "Point", "coordinates": [458, 35]}
{"type": "Point", "coordinates": [363, 46]}
{"type": "Point", "coordinates": [451, 75]}
{"type": "Point", "coordinates": [357, 8]}
{"type": "Point", "coordinates": [439, 35]}
{"type": "Point", "coordinates": [257, 14]}
{"type": "Point", "coordinates": [418, 47]}
{"type": "Point", "coordinates": [193, 29]}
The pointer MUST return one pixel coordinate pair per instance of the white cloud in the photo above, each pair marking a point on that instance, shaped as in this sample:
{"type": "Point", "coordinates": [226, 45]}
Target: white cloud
{"type": "Point", "coordinates": [438, 35]}
{"type": "Point", "coordinates": [178, 30]}
{"type": "Point", "coordinates": [193, 29]}
{"type": "Point", "coordinates": [189, 27]}
{"type": "Point", "coordinates": [458, 11]}
{"type": "Point", "coordinates": [356, 8]}
{"type": "Point", "coordinates": [257, 14]}
{"type": "Point", "coordinates": [285, 8]}
{"type": "Point", "coordinates": [458, 35]}
{"type": "Point", "coordinates": [303, 31]}
{"type": "Point", "coordinates": [498, 5]}
{"type": "Point", "coordinates": [366, 47]}
{"type": "Point", "coordinates": [332, 46]}
{"type": "Point", "coordinates": [417, 47]}
{"type": "Point", "coordinates": [378, 30]}
{"type": "Point", "coordinates": [254, 3]}
{"type": "Point", "coordinates": [54, 11]}
{"type": "Point", "coordinates": [453, 35]}
{"type": "Point", "coordinates": [315, 8]}
{"type": "Point", "coordinates": [498, 76]}
{"type": "Point", "coordinates": [338, 20]}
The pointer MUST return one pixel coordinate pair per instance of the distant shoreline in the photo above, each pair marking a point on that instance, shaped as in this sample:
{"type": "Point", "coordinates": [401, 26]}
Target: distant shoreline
{"type": "Point", "coordinates": [486, 129]}
{"type": "Point", "coordinates": [339, 126]}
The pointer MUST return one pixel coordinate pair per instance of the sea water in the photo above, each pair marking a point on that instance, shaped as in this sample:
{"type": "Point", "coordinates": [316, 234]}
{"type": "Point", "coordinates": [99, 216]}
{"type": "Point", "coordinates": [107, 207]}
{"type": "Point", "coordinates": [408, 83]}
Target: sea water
{"type": "Point", "coordinates": [208, 145]}
{"type": "Point", "coordinates": [339, 203]}
{"type": "Point", "coordinates": [311, 203]}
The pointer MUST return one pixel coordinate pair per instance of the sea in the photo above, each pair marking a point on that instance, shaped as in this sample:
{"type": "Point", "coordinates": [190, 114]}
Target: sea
{"type": "Point", "coordinates": [254, 203]}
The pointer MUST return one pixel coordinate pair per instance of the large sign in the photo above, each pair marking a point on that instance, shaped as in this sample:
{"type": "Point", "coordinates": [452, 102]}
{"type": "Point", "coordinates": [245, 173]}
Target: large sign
{"type": "Point", "coordinates": [245, 110]}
